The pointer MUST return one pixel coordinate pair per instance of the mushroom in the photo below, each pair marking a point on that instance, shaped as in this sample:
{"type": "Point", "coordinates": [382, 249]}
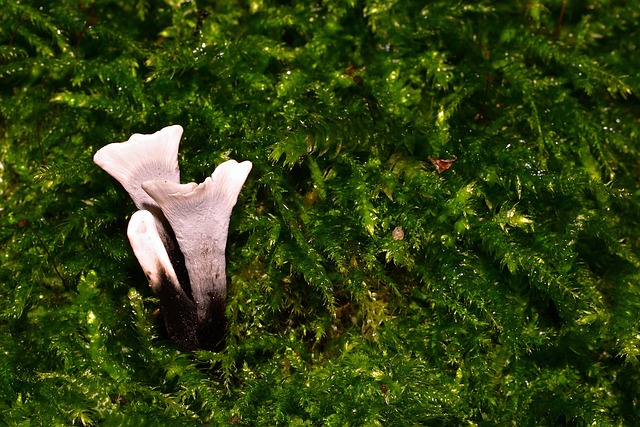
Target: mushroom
{"type": "Point", "coordinates": [199, 215]}
{"type": "Point", "coordinates": [179, 235]}
{"type": "Point", "coordinates": [143, 158]}
{"type": "Point", "coordinates": [178, 309]}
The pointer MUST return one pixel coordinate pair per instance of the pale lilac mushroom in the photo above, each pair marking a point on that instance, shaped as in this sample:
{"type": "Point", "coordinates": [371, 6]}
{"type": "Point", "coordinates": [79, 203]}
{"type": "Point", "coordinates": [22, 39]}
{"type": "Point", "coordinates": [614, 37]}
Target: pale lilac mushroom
{"type": "Point", "coordinates": [178, 309]}
{"type": "Point", "coordinates": [199, 216]}
{"type": "Point", "coordinates": [143, 158]}
{"type": "Point", "coordinates": [179, 234]}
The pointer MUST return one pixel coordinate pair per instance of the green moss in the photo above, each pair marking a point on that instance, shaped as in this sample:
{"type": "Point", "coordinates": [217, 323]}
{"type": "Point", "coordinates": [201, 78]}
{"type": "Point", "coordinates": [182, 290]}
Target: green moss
{"type": "Point", "coordinates": [365, 288]}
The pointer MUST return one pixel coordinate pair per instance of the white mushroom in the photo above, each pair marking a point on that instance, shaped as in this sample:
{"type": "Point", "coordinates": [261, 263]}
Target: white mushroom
{"type": "Point", "coordinates": [179, 235]}
{"type": "Point", "coordinates": [178, 310]}
{"type": "Point", "coordinates": [143, 158]}
{"type": "Point", "coordinates": [199, 215]}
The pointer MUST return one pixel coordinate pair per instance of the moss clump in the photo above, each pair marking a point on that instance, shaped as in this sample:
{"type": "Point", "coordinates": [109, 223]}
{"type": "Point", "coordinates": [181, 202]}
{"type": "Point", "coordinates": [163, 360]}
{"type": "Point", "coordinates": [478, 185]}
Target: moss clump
{"type": "Point", "coordinates": [365, 287]}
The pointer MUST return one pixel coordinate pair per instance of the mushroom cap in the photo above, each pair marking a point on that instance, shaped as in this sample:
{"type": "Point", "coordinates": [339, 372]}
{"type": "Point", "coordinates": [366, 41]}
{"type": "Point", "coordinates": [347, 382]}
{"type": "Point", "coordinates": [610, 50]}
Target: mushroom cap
{"type": "Point", "coordinates": [192, 206]}
{"type": "Point", "coordinates": [142, 158]}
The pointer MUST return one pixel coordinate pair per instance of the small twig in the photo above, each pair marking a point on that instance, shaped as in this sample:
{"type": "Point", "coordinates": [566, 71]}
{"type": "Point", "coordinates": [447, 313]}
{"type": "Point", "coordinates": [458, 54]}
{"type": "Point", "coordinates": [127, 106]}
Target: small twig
{"type": "Point", "coordinates": [556, 30]}
{"type": "Point", "coordinates": [369, 100]}
{"type": "Point", "coordinates": [25, 223]}
{"type": "Point", "coordinates": [15, 32]}
{"type": "Point", "coordinates": [40, 143]}
{"type": "Point", "coordinates": [202, 14]}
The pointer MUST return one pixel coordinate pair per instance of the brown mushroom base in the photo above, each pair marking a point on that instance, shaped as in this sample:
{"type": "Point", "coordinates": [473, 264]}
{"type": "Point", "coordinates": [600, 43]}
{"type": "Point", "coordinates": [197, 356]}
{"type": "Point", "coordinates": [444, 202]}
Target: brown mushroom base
{"type": "Point", "coordinates": [184, 326]}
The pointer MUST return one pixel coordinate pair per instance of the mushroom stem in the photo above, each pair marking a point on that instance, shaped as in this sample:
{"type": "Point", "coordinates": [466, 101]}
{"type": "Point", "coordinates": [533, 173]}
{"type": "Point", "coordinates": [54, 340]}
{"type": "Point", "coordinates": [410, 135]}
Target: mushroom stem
{"type": "Point", "coordinates": [178, 310]}
{"type": "Point", "coordinates": [150, 251]}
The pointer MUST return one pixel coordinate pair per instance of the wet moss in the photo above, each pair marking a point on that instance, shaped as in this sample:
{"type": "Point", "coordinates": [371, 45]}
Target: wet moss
{"type": "Point", "coordinates": [440, 227]}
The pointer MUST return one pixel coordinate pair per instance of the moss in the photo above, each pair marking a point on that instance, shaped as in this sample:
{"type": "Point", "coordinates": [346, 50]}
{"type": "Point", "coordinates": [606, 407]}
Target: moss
{"type": "Point", "coordinates": [366, 286]}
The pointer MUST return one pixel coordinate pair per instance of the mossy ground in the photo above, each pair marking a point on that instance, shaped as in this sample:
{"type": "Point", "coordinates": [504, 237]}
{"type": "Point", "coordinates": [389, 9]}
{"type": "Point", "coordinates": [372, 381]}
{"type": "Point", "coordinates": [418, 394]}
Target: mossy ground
{"type": "Point", "coordinates": [366, 286]}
